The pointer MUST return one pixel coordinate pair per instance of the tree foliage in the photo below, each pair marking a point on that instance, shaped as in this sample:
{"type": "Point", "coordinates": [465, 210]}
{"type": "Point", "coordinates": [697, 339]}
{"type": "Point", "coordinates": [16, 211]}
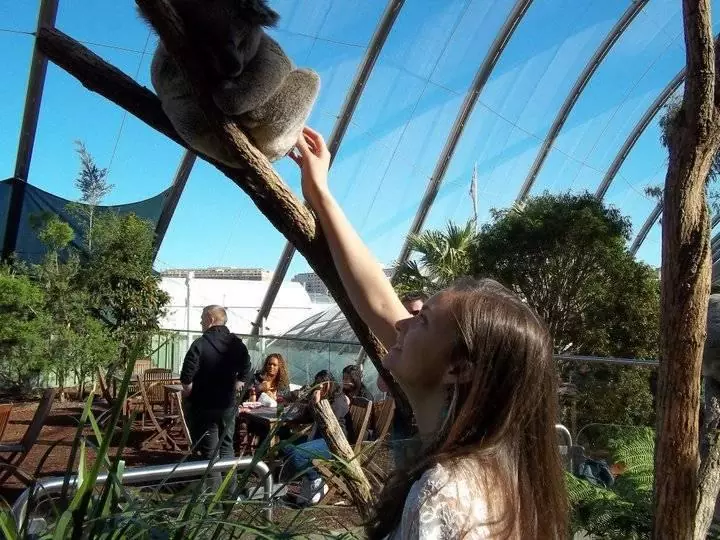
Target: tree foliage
{"type": "Point", "coordinates": [118, 276]}
{"type": "Point", "coordinates": [566, 256]}
{"type": "Point", "coordinates": [623, 511]}
{"type": "Point", "coordinates": [22, 325]}
{"type": "Point", "coordinates": [443, 256]}
{"type": "Point", "coordinates": [72, 314]}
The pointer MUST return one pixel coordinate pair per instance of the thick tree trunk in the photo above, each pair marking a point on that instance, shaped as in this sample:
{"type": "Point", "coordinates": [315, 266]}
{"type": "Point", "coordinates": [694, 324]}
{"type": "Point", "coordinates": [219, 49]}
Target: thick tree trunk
{"type": "Point", "coordinates": [257, 179]}
{"type": "Point", "coordinates": [685, 285]}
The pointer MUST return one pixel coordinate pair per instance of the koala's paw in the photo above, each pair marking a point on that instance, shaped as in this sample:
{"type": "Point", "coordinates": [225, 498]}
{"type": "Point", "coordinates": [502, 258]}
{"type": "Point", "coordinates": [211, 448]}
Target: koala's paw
{"type": "Point", "coordinates": [275, 127]}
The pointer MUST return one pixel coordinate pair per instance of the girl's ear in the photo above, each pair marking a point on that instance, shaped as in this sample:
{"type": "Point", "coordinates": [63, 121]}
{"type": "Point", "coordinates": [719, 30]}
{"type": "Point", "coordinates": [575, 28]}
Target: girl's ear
{"type": "Point", "coordinates": [458, 373]}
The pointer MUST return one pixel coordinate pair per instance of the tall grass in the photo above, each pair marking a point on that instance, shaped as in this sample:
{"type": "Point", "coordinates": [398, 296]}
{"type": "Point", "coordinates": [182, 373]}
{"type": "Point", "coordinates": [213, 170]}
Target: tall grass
{"type": "Point", "coordinates": [88, 509]}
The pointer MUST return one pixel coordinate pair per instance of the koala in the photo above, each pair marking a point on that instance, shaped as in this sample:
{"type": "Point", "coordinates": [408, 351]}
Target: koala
{"type": "Point", "coordinates": [252, 80]}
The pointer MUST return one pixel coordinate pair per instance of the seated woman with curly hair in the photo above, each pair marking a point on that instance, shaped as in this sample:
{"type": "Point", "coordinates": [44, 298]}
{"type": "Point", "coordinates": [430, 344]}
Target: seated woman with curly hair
{"type": "Point", "coordinates": [272, 380]}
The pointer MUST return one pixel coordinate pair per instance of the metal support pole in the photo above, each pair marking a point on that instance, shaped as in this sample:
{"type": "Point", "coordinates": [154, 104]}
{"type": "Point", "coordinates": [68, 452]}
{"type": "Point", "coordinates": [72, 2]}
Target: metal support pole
{"type": "Point", "coordinates": [33, 99]}
{"type": "Point", "coordinates": [638, 130]}
{"type": "Point", "coordinates": [171, 201]}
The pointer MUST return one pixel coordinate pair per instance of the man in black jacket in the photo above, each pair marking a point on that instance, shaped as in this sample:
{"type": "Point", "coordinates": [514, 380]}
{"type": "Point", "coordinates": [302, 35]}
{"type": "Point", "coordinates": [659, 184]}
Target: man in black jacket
{"type": "Point", "coordinates": [215, 367]}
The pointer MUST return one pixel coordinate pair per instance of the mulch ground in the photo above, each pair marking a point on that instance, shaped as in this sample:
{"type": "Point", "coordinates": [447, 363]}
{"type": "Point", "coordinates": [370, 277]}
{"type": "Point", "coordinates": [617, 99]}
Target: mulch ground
{"type": "Point", "coordinates": [50, 455]}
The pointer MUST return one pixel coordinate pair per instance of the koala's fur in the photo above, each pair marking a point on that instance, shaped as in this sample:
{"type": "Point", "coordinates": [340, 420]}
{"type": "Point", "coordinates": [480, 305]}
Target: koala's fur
{"type": "Point", "coordinates": [251, 78]}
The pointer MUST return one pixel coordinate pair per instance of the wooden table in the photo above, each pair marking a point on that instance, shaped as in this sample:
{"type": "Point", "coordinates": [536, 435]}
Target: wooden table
{"type": "Point", "coordinates": [160, 432]}
{"type": "Point", "coordinates": [268, 417]}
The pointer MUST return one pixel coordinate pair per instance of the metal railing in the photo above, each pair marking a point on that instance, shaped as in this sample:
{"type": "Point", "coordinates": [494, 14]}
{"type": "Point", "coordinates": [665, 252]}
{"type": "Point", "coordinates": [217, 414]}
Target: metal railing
{"type": "Point", "coordinates": [143, 475]}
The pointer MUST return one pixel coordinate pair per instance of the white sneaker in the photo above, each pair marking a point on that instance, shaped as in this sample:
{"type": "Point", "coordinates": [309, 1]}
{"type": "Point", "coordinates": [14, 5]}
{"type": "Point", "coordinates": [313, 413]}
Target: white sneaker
{"type": "Point", "coordinates": [312, 491]}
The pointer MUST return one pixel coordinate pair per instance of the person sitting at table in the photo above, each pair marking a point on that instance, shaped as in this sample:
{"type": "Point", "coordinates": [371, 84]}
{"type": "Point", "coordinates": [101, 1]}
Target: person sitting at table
{"type": "Point", "coordinates": [214, 369]}
{"type": "Point", "coordinates": [272, 380]}
{"type": "Point", "coordinates": [300, 456]}
{"type": "Point", "coordinates": [352, 383]}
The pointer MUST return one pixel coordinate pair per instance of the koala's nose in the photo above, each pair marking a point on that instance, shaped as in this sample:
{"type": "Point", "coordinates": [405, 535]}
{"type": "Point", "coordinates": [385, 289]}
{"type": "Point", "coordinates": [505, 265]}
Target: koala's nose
{"type": "Point", "coordinates": [231, 62]}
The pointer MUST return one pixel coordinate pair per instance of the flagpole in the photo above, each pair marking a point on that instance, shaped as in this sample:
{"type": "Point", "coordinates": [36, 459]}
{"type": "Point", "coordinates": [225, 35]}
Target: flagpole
{"type": "Point", "coordinates": [473, 194]}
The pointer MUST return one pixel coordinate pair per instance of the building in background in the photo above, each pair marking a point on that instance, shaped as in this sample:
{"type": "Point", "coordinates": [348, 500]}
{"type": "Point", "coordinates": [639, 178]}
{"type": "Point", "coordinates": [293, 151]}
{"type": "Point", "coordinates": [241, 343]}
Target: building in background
{"type": "Point", "coordinates": [240, 291]}
{"type": "Point", "coordinates": [317, 289]}
{"type": "Point", "coordinates": [251, 274]}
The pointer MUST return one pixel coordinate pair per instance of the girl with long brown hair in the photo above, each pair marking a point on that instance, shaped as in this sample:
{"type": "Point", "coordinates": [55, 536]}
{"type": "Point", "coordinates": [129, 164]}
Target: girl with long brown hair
{"type": "Point", "coordinates": [476, 365]}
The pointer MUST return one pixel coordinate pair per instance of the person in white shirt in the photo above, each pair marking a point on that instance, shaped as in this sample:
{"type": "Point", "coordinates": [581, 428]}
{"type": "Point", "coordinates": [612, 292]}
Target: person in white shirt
{"type": "Point", "coordinates": [476, 365]}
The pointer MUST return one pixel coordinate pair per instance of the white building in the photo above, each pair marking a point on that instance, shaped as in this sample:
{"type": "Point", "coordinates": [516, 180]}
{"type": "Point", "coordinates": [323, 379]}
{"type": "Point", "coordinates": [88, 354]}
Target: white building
{"type": "Point", "coordinates": [241, 298]}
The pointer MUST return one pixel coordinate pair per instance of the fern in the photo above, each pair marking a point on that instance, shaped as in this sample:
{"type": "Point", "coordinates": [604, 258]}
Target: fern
{"type": "Point", "coordinates": [623, 511]}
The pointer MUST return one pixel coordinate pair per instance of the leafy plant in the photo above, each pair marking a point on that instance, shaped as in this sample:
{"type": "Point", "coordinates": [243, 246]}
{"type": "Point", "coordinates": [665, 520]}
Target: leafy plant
{"type": "Point", "coordinates": [113, 511]}
{"type": "Point", "coordinates": [623, 511]}
{"type": "Point", "coordinates": [23, 320]}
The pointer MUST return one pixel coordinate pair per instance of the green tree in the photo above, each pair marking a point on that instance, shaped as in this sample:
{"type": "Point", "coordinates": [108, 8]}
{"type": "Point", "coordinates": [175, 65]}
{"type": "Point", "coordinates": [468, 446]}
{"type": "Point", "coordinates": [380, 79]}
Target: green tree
{"type": "Point", "coordinates": [23, 322]}
{"type": "Point", "coordinates": [442, 257]}
{"type": "Point", "coordinates": [566, 256]}
{"type": "Point", "coordinates": [77, 343]}
{"type": "Point", "coordinates": [121, 284]}
{"type": "Point", "coordinates": [94, 187]}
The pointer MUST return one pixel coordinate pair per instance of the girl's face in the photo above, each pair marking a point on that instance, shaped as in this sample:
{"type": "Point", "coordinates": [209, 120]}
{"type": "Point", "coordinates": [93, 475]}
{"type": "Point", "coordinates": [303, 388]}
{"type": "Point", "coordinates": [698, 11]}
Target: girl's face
{"type": "Point", "coordinates": [347, 382]}
{"type": "Point", "coordinates": [422, 353]}
{"type": "Point", "coordinates": [272, 367]}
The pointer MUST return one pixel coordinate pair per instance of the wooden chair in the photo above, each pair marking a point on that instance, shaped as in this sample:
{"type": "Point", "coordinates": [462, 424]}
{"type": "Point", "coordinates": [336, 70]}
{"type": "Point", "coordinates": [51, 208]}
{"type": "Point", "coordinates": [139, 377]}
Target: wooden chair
{"type": "Point", "coordinates": [5, 410]}
{"type": "Point", "coordinates": [382, 417]}
{"type": "Point", "coordinates": [360, 412]}
{"type": "Point", "coordinates": [15, 453]}
{"type": "Point", "coordinates": [141, 366]}
{"type": "Point", "coordinates": [155, 380]}
{"type": "Point", "coordinates": [171, 422]}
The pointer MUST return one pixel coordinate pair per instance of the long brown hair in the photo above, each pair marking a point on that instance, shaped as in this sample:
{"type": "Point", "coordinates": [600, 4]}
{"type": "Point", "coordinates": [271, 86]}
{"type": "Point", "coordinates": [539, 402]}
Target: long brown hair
{"type": "Point", "coordinates": [282, 380]}
{"type": "Point", "coordinates": [501, 419]}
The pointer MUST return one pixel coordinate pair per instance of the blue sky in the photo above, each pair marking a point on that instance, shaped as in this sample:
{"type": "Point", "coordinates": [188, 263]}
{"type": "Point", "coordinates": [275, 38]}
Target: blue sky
{"type": "Point", "coordinates": [399, 127]}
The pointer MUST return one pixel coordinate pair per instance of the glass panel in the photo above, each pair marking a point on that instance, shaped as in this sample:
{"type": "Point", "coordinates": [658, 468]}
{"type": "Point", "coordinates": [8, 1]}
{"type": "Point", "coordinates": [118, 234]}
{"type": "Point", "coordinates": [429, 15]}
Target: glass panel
{"type": "Point", "coordinates": [518, 104]}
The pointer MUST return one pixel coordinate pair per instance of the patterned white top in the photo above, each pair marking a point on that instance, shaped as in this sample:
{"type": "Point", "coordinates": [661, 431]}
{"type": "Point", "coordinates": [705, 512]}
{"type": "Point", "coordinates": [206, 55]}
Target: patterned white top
{"type": "Point", "coordinates": [445, 504]}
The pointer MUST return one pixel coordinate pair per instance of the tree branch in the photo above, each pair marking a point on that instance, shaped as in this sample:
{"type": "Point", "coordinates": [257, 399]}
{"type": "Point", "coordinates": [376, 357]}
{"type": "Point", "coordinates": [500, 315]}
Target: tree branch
{"type": "Point", "coordinates": [357, 482]}
{"type": "Point", "coordinates": [257, 178]}
{"type": "Point", "coordinates": [699, 95]}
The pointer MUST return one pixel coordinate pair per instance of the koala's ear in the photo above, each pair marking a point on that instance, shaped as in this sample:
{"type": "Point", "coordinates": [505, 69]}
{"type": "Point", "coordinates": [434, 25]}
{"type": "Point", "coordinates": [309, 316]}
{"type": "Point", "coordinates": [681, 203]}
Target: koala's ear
{"type": "Point", "coordinates": [258, 12]}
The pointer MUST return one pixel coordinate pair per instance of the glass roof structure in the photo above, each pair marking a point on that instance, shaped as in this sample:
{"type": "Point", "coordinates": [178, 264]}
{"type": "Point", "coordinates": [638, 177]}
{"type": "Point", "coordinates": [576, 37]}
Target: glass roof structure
{"type": "Point", "coordinates": [534, 95]}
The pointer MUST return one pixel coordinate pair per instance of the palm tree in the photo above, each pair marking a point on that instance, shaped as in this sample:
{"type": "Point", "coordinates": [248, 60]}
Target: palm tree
{"type": "Point", "coordinates": [443, 257]}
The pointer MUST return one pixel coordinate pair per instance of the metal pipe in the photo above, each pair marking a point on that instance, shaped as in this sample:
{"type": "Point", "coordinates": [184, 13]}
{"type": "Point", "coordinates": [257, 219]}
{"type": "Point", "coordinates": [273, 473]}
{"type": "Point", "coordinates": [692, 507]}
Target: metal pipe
{"type": "Point", "coordinates": [481, 77]}
{"type": "Point", "coordinates": [139, 475]}
{"type": "Point", "coordinates": [608, 360]}
{"type": "Point", "coordinates": [591, 67]}
{"type": "Point", "coordinates": [565, 432]}
{"type": "Point", "coordinates": [638, 130]}
{"type": "Point", "coordinates": [392, 10]}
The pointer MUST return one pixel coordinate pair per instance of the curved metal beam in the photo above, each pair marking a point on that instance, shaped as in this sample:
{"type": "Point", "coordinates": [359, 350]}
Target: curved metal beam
{"type": "Point", "coordinates": [645, 229]}
{"type": "Point", "coordinates": [654, 216]}
{"type": "Point", "coordinates": [481, 77]}
{"type": "Point", "coordinates": [168, 209]}
{"type": "Point", "coordinates": [392, 10]}
{"type": "Point", "coordinates": [592, 66]}
{"type": "Point", "coordinates": [638, 130]}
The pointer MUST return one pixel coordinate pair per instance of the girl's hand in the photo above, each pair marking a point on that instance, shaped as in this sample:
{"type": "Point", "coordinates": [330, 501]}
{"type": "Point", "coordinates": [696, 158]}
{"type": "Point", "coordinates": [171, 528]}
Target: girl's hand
{"type": "Point", "coordinates": [313, 157]}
